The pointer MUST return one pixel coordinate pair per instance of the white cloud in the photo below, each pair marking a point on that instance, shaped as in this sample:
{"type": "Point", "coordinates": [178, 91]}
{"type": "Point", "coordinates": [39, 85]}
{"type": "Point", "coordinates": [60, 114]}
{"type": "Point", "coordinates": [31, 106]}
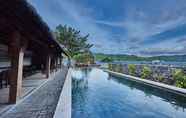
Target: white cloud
{"type": "Point", "coordinates": [138, 26]}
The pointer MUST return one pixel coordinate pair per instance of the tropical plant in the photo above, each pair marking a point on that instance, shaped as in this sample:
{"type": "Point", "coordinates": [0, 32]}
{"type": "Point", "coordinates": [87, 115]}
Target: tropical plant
{"type": "Point", "coordinates": [72, 40]}
{"type": "Point", "coordinates": [180, 78]}
{"type": "Point", "coordinates": [118, 68]}
{"type": "Point", "coordinates": [86, 58]}
{"type": "Point", "coordinates": [146, 72]}
{"type": "Point", "coordinates": [110, 66]}
{"type": "Point", "coordinates": [160, 78]}
{"type": "Point", "coordinates": [132, 69]}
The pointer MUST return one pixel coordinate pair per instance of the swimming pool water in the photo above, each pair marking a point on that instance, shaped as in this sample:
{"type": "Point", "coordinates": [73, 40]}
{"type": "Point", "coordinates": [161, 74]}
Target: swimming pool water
{"type": "Point", "coordinates": [96, 94]}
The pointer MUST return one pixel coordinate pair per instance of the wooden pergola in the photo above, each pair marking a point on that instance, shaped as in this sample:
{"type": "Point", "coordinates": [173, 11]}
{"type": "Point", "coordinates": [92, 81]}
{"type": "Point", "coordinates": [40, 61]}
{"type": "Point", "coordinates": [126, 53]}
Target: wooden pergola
{"type": "Point", "coordinates": [22, 30]}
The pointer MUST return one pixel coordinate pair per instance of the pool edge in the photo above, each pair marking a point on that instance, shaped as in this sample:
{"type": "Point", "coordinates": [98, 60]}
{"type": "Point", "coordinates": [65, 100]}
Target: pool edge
{"type": "Point", "coordinates": [166, 87]}
{"type": "Point", "coordinates": [63, 109]}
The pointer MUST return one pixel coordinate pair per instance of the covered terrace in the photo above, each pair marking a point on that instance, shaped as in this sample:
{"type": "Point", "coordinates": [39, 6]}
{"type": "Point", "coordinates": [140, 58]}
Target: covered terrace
{"type": "Point", "coordinates": [26, 46]}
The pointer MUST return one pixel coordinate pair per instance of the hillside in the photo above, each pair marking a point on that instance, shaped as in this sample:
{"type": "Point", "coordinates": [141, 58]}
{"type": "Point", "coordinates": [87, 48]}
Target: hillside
{"type": "Point", "coordinates": [120, 57]}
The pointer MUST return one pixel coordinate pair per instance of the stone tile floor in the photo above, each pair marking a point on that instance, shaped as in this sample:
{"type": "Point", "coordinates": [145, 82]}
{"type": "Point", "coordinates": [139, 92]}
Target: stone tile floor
{"type": "Point", "coordinates": [29, 84]}
{"type": "Point", "coordinates": [41, 103]}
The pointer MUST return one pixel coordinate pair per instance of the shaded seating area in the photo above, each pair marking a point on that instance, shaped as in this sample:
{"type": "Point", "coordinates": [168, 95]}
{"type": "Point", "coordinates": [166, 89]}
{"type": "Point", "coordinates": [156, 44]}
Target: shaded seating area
{"type": "Point", "coordinates": [42, 102]}
{"type": "Point", "coordinates": [4, 81]}
{"type": "Point", "coordinates": [23, 34]}
{"type": "Point", "coordinates": [29, 84]}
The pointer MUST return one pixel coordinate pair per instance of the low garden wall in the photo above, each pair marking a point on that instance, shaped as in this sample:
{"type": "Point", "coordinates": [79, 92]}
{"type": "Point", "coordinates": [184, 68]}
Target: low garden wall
{"type": "Point", "coordinates": [159, 73]}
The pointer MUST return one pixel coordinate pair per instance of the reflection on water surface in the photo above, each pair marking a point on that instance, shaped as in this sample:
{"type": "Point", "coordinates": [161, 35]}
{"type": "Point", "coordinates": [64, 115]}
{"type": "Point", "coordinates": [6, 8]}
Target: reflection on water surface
{"type": "Point", "coordinates": [96, 94]}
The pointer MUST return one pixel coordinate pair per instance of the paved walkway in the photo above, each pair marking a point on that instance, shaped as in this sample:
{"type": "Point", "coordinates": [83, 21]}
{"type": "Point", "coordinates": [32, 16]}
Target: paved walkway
{"type": "Point", "coordinates": [29, 84]}
{"type": "Point", "coordinates": [42, 103]}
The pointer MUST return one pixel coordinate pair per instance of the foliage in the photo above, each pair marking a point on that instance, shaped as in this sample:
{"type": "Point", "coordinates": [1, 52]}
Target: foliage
{"type": "Point", "coordinates": [178, 73]}
{"type": "Point", "coordinates": [146, 72]}
{"type": "Point", "coordinates": [180, 78]}
{"type": "Point", "coordinates": [118, 68]}
{"type": "Point", "coordinates": [86, 58]}
{"type": "Point", "coordinates": [132, 69]}
{"type": "Point", "coordinates": [122, 57]}
{"type": "Point", "coordinates": [115, 67]}
{"type": "Point", "coordinates": [72, 40]}
{"type": "Point", "coordinates": [107, 59]}
{"type": "Point", "coordinates": [160, 78]}
{"type": "Point", "coordinates": [110, 67]}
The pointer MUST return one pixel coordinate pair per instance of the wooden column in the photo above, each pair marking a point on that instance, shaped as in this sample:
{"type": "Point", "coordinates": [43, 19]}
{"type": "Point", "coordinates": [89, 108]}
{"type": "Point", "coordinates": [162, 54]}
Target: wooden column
{"type": "Point", "coordinates": [60, 62]}
{"type": "Point", "coordinates": [56, 63]}
{"type": "Point", "coordinates": [48, 64]}
{"type": "Point", "coordinates": [16, 51]}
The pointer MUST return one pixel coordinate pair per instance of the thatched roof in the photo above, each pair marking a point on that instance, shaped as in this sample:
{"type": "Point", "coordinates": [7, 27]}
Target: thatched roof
{"type": "Point", "coordinates": [21, 16]}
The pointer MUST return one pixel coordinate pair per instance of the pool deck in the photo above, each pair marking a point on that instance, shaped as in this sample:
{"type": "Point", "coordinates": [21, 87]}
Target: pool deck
{"type": "Point", "coordinates": [169, 88]}
{"type": "Point", "coordinates": [29, 84]}
{"type": "Point", "coordinates": [41, 102]}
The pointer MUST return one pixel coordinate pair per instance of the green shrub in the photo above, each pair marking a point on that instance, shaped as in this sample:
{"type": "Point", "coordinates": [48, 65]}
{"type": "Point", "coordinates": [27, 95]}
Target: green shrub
{"type": "Point", "coordinates": [160, 78]}
{"type": "Point", "coordinates": [146, 72]}
{"type": "Point", "coordinates": [110, 67]}
{"type": "Point", "coordinates": [177, 74]}
{"type": "Point", "coordinates": [119, 68]}
{"type": "Point", "coordinates": [180, 78]}
{"type": "Point", "coordinates": [86, 58]}
{"type": "Point", "coordinates": [132, 69]}
{"type": "Point", "coordinates": [115, 67]}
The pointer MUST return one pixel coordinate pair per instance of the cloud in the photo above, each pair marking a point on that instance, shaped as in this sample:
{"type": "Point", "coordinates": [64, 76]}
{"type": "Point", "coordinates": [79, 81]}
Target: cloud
{"type": "Point", "coordinates": [129, 27]}
{"type": "Point", "coordinates": [112, 24]}
{"type": "Point", "coordinates": [167, 35]}
{"type": "Point", "coordinates": [79, 18]}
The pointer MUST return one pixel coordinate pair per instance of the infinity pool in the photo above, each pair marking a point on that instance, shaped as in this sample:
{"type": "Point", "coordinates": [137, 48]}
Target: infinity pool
{"type": "Point", "coordinates": [96, 94]}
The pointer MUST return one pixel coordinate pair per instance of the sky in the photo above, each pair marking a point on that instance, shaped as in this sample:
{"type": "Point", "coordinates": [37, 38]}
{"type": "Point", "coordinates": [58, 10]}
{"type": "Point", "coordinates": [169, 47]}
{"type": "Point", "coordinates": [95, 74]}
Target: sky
{"type": "Point", "coordinates": [135, 27]}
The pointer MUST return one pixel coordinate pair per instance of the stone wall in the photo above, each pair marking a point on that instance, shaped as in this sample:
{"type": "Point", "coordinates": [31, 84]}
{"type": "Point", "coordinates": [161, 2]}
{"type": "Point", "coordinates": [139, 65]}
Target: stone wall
{"type": "Point", "coordinates": [157, 70]}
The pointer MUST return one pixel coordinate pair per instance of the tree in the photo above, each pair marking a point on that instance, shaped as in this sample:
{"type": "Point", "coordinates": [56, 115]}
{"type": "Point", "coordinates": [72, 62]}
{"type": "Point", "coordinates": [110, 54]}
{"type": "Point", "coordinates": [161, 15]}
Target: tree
{"type": "Point", "coordinates": [72, 40]}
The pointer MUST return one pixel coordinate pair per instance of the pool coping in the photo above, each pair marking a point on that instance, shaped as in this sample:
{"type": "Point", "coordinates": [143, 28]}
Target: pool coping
{"type": "Point", "coordinates": [63, 109]}
{"type": "Point", "coordinates": [166, 87]}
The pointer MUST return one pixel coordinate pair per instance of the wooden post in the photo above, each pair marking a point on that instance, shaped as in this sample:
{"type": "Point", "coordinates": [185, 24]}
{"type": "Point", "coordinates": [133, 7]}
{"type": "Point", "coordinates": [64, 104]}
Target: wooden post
{"type": "Point", "coordinates": [60, 61]}
{"type": "Point", "coordinates": [56, 63]}
{"type": "Point", "coordinates": [16, 51]}
{"type": "Point", "coordinates": [48, 64]}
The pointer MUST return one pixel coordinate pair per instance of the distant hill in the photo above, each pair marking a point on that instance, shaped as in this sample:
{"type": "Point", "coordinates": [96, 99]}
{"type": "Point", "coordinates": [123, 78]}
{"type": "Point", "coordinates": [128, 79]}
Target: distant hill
{"type": "Point", "coordinates": [120, 57]}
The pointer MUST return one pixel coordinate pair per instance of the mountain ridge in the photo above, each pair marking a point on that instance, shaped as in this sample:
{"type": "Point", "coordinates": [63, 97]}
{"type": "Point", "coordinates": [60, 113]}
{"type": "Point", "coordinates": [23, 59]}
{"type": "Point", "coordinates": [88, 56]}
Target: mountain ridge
{"type": "Point", "coordinates": [125, 57]}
